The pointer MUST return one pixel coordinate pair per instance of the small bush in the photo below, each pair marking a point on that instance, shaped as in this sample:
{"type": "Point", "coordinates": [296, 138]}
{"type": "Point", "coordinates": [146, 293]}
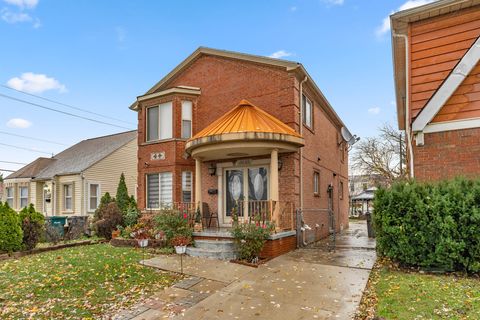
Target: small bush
{"type": "Point", "coordinates": [122, 197]}
{"type": "Point", "coordinates": [430, 225]}
{"type": "Point", "coordinates": [172, 224]}
{"type": "Point", "coordinates": [33, 224]}
{"type": "Point", "coordinates": [250, 237]}
{"type": "Point", "coordinates": [52, 234]}
{"type": "Point", "coordinates": [11, 234]}
{"type": "Point", "coordinates": [77, 226]}
{"type": "Point", "coordinates": [108, 220]}
{"type": "Point", "coordinates": [104, 201]}
{"type": "Point", "coordinates": [130, 217]}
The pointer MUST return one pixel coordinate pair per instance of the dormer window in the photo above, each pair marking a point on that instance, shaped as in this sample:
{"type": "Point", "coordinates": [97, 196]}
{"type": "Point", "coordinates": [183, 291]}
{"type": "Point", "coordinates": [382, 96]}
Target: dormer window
{"type": "Point", "coordinates": [159, 122]}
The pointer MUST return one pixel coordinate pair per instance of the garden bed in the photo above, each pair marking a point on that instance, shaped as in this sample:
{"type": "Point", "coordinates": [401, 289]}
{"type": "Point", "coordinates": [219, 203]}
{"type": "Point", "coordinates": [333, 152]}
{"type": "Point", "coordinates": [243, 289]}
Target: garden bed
{"type": "Point", "coordinates": [152, 243]}
{"type": "Point", "coordinates": [250, 264]}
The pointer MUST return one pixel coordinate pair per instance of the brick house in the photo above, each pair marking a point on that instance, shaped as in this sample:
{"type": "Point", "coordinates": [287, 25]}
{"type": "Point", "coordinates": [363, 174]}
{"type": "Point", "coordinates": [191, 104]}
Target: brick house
{"type": "Point", "coordinates": [223, 127]}
{"type": "Point", "coordinates": [436, 52]}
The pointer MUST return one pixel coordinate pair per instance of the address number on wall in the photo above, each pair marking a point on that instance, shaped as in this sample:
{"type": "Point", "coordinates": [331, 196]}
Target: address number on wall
{"type": "Point", "coordinates": [157, 156]}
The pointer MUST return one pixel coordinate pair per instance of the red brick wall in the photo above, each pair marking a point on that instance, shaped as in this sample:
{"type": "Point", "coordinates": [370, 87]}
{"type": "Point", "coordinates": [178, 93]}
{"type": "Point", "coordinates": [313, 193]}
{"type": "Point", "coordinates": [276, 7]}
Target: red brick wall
{"type": "Point", "coordinates": [277, 247]}
{"type": "Point", "coordinates": [223, 83]}
{"type": "Point", "coordinates": [448, 154]}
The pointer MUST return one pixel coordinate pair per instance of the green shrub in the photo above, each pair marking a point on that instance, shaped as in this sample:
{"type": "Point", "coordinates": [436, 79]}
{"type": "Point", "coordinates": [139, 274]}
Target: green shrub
{"type": "Point", "coordinates": [11, 233]}
{"type": "Point", "coordinates": [434, 225]}
{"type": "Point", "coordinates": [33, 225]}
{"type": "Point", "coordinates": [250, 237]}
{"type": "Point", "coordinates": [108, 220]}
{"type": "Point", "coordinates": [130, 217]}
{"type": "Point", "coordinates": [122, 197]}
{"type": "Point", "coordinates": [172, 224]}
{"type": "Point", "coordinates": [104, 201]}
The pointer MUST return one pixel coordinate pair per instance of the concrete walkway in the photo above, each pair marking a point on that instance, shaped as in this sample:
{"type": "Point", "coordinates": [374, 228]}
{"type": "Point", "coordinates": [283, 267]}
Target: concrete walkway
{"type": "Point", "coordinates": [309, 283]}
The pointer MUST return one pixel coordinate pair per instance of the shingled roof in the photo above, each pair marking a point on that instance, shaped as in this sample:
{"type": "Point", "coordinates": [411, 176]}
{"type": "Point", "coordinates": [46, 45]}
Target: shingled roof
{"type": "Point", "coordinates": [78, 157]}
{"type": "Point", "coordinates": [32, 169]}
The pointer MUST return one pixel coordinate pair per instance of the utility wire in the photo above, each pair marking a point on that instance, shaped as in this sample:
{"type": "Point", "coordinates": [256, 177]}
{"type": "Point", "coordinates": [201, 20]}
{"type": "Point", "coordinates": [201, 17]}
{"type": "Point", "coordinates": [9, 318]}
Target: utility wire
{"type": "Point", "coordinates": [27, 149]}
{"type": "Point", "coordinates": [60, 111]}
{"type": "Point", "coordinates": [6, 170]}
{"type": "Point", "coordinates": [12, 162]}
{"type": "Point", "coordinates": [67, 105]}
{"type": "Point", "coordinates": [32, 138]}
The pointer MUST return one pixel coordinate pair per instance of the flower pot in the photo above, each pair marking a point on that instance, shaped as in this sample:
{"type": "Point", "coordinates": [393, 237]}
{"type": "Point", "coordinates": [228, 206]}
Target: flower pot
{"type": "Point", "coordinates": [180, 249]}
{"type": "Point", "coordinates": [115, 234]}
{"type": "Point", "coordinates": [142, 243]}
{"type": "Point", "coordinates": [197, 227]}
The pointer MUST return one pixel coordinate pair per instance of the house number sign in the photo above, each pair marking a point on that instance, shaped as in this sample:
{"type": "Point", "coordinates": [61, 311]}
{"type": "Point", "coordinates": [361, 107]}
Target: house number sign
{"type": "Point", "coordinates": [157, 156]}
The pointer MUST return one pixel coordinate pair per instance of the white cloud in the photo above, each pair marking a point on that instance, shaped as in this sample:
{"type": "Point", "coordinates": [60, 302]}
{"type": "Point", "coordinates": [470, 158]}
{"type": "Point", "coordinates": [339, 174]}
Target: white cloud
{"type": "Point", "coordinates": [35, 83]}
{"type": "Point", "coordinates": [374, 110]}
{"type": "Point", "coordinates": [29, 4]}
{"type": "Point", "coordinates": [280, 54]}
{"type": "Point", "coordinates": [334, 2]}
{"type": "Point", "coordinates": [385, 27]}
{"type": "Point", "coordinates": [14, 17]}
{"type": "Point", "coordinates": [18, 123]}
{"type": "Point", "coordinates": [293, 9]}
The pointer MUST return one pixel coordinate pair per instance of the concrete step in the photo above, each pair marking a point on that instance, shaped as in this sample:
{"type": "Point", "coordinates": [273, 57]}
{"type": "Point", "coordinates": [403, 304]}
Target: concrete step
{"type": "Point", "coordinates": [215, 245]}
{"type": "Point", "coordinates": [211, 254]}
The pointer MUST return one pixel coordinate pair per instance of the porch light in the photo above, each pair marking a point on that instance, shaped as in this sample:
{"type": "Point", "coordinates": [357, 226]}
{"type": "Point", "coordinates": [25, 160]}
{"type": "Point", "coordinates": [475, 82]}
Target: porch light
{"type": "Point", "coordinates": [280, 164]}
{"type": "Point", "coordinates": [212, 169]}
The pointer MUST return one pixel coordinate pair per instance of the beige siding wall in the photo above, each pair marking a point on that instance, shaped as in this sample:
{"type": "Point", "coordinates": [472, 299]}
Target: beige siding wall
{"type": "Point", "coordinates": [59, 198]}
{"type": "Point", "coordinates": [16, 184]}
{"type": "Point", "coordinates": [107, 171]}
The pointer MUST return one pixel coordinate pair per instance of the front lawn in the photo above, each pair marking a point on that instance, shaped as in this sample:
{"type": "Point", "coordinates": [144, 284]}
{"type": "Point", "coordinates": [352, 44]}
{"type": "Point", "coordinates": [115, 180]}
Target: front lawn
{"type": "Point", "coordinates": [76, 283]}
{"type": "Point", "coordinates": [400, 294]}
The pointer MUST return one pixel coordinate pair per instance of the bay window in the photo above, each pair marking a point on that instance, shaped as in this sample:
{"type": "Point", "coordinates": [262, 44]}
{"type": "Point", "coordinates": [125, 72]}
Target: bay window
{"type": "Point", "coordinates": [159, 122]}
{"type": "Point", "coordinates": [159, 189]}
{"type": "Point", "coordinates": [23, 197]}
{"type": "Point", "coordinates": [186, 186]}
{"type": "Point", "coordinates": [10, 196]}
{"type": "Point", "coordinates": [187, 119]}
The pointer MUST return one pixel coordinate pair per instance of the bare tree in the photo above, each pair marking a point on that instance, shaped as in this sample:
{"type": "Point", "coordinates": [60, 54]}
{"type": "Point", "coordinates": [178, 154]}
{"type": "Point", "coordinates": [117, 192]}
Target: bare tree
{"type": "Point", "coordinates": [383, 155]}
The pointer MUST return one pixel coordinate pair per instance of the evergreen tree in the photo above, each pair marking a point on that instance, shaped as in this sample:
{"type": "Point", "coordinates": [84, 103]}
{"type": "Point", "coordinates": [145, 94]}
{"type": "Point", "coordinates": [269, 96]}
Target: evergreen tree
{"type": "Point", "coordinates": [123, 199]}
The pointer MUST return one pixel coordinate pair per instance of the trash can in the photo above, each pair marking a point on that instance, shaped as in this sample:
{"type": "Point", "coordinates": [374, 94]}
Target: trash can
{"type": "Point", "coordinates": [370, 230]}
{"type": "Point", "coordinates": [57, 223]}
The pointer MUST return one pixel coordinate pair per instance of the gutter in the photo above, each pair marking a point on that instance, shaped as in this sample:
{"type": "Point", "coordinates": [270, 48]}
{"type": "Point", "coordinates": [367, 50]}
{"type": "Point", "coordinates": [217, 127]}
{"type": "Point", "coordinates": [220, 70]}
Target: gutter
{"type": "Point", "coordinates": [304, 227]}
{"type": "Point", "coordinates": [408, 132]}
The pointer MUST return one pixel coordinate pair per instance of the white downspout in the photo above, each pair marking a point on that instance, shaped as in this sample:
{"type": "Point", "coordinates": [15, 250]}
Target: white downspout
{"type": "Point", "coordinates": [407, 104]}
{"type": "Point", "coordinates": [304, 226]}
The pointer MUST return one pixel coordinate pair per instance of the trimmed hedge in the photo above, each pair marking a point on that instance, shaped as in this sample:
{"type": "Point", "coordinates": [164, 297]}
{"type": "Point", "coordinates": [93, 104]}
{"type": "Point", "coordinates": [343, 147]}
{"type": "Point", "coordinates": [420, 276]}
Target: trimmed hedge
{"type": "Point", "coordinates": [11, 233]}
{"type": "Point", "coordinates": [430, 225]}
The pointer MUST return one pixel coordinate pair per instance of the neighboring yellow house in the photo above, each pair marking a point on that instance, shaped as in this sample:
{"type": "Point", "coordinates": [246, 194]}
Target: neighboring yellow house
{"type": "Point", "coordinates": [73, 181]}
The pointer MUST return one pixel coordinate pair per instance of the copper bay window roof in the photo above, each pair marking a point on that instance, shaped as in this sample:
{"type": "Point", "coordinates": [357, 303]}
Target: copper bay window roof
{"type": "Point", "coordinates": [246, 122]}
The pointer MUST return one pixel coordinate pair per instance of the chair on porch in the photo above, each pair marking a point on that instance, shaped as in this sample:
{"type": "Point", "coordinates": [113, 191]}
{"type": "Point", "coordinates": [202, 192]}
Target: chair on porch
{"type": "Point", "coordinates": [208, 215]}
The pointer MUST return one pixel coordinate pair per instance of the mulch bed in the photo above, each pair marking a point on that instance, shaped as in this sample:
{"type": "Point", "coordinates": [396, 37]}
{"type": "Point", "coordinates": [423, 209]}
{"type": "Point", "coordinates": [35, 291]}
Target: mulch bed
{"type": "Point", "coordinates": [249, 264]}
{"type": "Point", "coordinates": [152, 243]}
{"type": "Point", "coordinates": [19, 254]}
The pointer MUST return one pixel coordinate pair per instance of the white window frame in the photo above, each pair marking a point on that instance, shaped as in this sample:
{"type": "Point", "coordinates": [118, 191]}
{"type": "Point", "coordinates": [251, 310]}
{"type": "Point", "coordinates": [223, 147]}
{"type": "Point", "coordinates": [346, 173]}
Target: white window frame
{"type": "Point", "coordinates": [187, 117]}
{"type": "Point", "coordinates": [89, 209]}
{"type": "Point", "coordinates": [316, 183]}
{"type": "Point", "coordinates": [64, 186]}
{"type": "Point", "coordinates": [12, 197]}
{"type": "Point", "coordinates": [147, 206]}
{"type": "Point", "coordinates": [20, 198]}
{"type": "Point", "coordinates": [184, 175]}
{"type": "Point", "coordinates": [159, 137]}
{"type": "Point", "coordinates": [305, 99]}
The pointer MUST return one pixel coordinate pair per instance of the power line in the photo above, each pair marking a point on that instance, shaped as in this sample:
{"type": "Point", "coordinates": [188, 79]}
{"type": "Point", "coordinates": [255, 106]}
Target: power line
{"type": "Point", "coordinates": [13, 162]}
{"type": "Point", "coordinates": [67, 105]}
{"type": "Point", "coordinates": [6, 170]}
{"type": "Point", "coordinates": [32, 138]}
{"type": "Point", "coordinates": [23, 148]}
{"type": "Point", "coordinates": [60, 111]}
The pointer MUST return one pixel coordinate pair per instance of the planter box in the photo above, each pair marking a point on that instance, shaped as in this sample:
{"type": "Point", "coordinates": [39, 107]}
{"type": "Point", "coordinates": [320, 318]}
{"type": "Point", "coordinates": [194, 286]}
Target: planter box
{"type": "Point", "coordinates": [152, 243]}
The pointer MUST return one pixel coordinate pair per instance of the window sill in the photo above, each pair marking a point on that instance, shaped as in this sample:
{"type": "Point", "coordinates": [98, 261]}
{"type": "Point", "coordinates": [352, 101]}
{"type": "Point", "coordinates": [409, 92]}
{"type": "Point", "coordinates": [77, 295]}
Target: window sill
{"type": "Point", "coordinates": [146, 143]}
{"type": "Point", "coordinates": [317, 195]}
{"type": "Point", "coordinates": [308, 128]}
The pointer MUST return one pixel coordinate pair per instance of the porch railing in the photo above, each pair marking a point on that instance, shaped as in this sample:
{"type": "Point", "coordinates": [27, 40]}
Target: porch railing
{"type": "Point", "coordinates": [281, 213]}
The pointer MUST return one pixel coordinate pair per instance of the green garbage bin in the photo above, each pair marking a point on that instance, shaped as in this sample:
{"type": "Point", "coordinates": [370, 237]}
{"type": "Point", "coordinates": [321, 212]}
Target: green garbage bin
{"type": "Point", "coordinates": [58, 223]}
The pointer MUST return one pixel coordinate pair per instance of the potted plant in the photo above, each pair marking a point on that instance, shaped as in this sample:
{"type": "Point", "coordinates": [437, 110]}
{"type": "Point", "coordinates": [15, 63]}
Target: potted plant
{"type": "Point", "coordinates": [180, 243]}
{"type": "Point", "coordinates": [116, 233]}
{"type": "Point", "coordinates": [141, 235]}
{"type": "Point", "coordinates": [197, 227]}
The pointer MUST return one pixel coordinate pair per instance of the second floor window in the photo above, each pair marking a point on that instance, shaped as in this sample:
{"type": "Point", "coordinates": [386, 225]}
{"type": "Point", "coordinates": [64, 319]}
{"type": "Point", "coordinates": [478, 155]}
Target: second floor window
{"type": "Point", "coordinates": [307, 111]}
{"type": "Point", "coordinates": [23, 197]}
{"type": "Point", "coordinates": [186, 119]}
{"type": "Point", "coordinates": [159, 122]}
{"type": "Point", "coordinates": [10, 196]}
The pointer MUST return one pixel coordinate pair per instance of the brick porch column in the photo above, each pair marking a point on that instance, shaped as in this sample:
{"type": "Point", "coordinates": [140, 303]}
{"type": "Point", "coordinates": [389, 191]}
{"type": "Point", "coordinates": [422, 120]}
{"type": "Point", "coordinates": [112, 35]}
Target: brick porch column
{"type": "Point", "coordinates": [198, 184]}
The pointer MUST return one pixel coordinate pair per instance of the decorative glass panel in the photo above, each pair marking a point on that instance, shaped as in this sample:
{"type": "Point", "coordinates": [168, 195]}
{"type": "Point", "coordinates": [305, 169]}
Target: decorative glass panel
{"type": "Point", "coordinates": [234, 192]}
{"type": "Point", "coordinates": [257, 184]}
{"type": "Point", "coordinates": [152, 123]}
{"type": "Point", "coordinates": [186, 186]}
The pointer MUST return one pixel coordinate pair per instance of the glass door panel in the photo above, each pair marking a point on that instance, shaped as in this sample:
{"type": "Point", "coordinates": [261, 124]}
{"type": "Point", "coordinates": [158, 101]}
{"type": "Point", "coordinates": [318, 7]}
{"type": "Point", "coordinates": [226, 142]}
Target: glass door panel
{"type": "Point", "coordinates": [257, 184]}
{"type": "Point", "coordinates": [234, 189]}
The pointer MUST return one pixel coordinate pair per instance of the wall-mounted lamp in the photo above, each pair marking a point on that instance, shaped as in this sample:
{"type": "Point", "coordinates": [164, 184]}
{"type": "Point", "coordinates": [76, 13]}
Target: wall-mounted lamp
{"type": "Point", "coordinates": [280, 165]}
{"type": "Point", "coordinates": [212, 169]}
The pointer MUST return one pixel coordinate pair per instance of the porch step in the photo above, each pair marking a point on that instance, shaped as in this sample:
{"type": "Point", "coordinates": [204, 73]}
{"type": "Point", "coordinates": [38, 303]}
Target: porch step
{"type": "Point", "coordinates": [214, 249]}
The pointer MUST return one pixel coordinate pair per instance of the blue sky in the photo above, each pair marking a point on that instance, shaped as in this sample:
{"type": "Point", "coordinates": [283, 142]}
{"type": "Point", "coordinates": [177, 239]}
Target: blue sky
{"type": "Point", "coordinates": [100, 55]}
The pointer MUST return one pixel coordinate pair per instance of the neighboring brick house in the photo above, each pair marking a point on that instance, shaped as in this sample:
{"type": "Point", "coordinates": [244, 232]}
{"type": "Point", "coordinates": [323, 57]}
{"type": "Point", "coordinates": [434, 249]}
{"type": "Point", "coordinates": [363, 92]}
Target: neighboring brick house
{"type": "Point", "coordinates": [200, 140]}
{"type": "Point", "coordinates": [73, 181]}
{"type": "Point", "coordinates": [436, 52]}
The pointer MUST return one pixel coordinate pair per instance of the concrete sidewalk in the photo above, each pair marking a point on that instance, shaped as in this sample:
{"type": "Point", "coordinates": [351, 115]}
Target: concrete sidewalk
{"type": "Point", "coordinates": [310, 283]}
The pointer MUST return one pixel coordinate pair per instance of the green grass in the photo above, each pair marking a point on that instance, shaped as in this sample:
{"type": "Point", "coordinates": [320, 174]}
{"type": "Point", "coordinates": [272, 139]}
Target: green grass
{"type": "Point", "coordinates": [403, 295]}
{"type": "Point", "coordinates": [76, 283]}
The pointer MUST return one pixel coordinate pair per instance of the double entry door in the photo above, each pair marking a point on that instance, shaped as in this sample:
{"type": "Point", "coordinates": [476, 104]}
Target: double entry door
{"type": "Point", "coordinates": [242, 185]}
